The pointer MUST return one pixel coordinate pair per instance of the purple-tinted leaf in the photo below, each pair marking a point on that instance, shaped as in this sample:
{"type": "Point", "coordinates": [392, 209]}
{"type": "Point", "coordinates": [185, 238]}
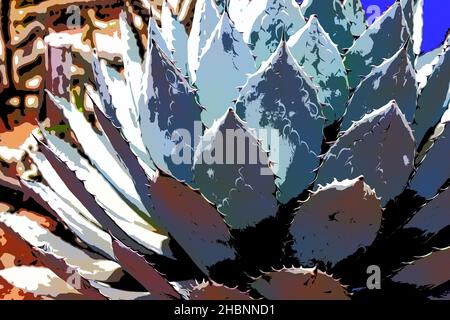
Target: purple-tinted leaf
{"type": "Point", "coordinates": [213, 291]}
{"type": "Point", "coordinates": [429, 271]}
{"type": "Point", "coordinates": [144, 272]}
{"type": "Point", "coordinates": [192, 221]}
{"type": "Point", "coordinates": [335, 222]}
{"type": "Point", "coordinates": [299, 284]}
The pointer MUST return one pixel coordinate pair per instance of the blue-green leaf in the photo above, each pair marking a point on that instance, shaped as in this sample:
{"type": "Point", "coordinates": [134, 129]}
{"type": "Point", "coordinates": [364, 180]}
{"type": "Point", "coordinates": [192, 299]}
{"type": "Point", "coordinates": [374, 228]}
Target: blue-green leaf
{"type": "Point", "coordinates": [236, 63]}
{"type": "Point", "coordinates": [280, 103]}
{"type": "Point", "coordinates": [393, 79]}
{"type": "Point", "coordinates": [319, 57]}
{"type": "Point", "coordinates": [276, 18]}
{"type": "Point", "coordinates": [332, 19]}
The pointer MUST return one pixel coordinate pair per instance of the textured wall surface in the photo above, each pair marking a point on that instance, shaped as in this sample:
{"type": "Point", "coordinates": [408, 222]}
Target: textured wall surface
{"type": "Point", "coordinates": [24, 25]}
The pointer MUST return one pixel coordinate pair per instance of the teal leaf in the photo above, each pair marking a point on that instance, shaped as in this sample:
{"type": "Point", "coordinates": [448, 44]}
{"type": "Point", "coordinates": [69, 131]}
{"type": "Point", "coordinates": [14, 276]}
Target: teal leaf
{"type": "Point", "coordinates": [281, 104]}
{"type": "Point", "coordinates": [356, 16]}
{"type": "Point", "coordinates": [394, 79]}
{"type": "Point", "coordinates": [434, 99]}
{"type": "Point", "coordinates": [388, 30]}
{"type": "Point", "coordinates": [319, 57]}
{"type": "Point", "coordinates": [332, 18]}
{"type": "Point", "coordinates": [236, 63]}
{"type": "Point", "coordinates": [277, 18]}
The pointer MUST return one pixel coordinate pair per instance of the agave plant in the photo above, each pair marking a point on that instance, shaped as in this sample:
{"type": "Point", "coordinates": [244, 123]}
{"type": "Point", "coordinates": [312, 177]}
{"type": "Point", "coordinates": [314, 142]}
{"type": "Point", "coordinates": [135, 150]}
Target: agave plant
{"type": "Point", "coordinates": [264, 155]}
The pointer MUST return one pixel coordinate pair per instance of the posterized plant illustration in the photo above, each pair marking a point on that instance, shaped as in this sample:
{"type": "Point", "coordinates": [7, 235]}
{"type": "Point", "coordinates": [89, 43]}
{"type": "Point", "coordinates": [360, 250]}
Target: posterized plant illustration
{"type": "Point", "coordinates": [237, 149]}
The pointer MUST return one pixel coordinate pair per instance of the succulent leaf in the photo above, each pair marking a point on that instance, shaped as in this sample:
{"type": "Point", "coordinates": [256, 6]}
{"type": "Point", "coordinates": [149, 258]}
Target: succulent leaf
{"type": "Point", "coordinates": [69, 274]}
{"type": "Point", "coordinates": [100, 152]}
{"type": "Point", "coordinates": [175, 36]}
{"type": "Point", "coordinates": [88, 232]}
{"type": "Point", "coordinates": [236, 63]}
{"type": "Point", "coordinates": [434, 99]}
{"type": "Point", "coordinates": [137, 173]}
{"type": "Point", "coordinates": [144, 272]}
{"type": "Point", "coordinates": [39, 282]}
{"type": "Point", "coordinates": [356, 16]}
{"type": "Point", "coordinates": [393, 79]}
{"type": "Point", "coordinates": [104, 88]}
{"type": "Point", "coordinates": [333, 20]}
{"type": "Point", "coordinates": [240, 13]}
{"type": "Point", "coordinates": [131, 58]}
{"type": "Point", "coordinates": [380, 147]}
{"type": "Point", "coordinates": [319, 57]}
{"type": "Point", "coordinates": [426, 63]}
{"type": "Point", "coordinates": [206, 18]}
{"type": "Point", "coordinates": [39, 237]}
{"type": "Point", "coordinates": [214, 291]}
{"type": "Point", "coordinates": [418, 20]}
{"type": "Point", "coordinates": [169, 116]}
{"type": "Point", "coordinates": [408, 14]}
{"type": "Point", "coordinates": [139, 227]}
{"type": "Point", "coordinates": [336, 221]}
{"type": "Point", "coordinates": [120, 294]}
{"type": "Point", "coordinates": [126, 111]}
{"type": "Point", "coordinates": [389, 30]}
{"type": "Point", "coordinates": [428, 271]}
{"type": "Point", "coordinates": [192, 221]}
{"type": "Point", "coordinates": [277, 19]}
{"type": "Point", "coordinates": [56, 183]}
{"type": "Point", "coordinates": [433, 171]}
{"type": "Point", "coordinates": [232, 171]}
{"type": "Point", "coordinates": [413, 16]}
{"type": "Point", "coordinates": [280, 103]}
{"type": "Point", "coordinates": [78, 189]}
{"type": "Point", "coordinates": [299, 284]}
{"type": "Point", "coordinates": [433, 217]}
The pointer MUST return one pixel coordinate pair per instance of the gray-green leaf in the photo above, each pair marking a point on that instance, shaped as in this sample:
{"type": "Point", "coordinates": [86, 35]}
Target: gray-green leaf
{"type": "Point", "coordinates": [280, 103]}
{"type": "Point", "coordinates": [332, 18]}
{"type": "Point", "coordinates": [393, 79]}
{"type": "Point", "coordinates": [319, 57]}
{"type": "Point", "coordinates": [380, 147]}
{"type": "Point", "coordinates": [232, 171]}
{"type": "Point", "coordinates": [380, 41]}
{"type": "Point", "coordinates": [356, 16]}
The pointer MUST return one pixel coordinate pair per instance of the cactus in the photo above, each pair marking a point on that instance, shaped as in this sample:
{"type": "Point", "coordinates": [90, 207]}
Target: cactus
{"type": "Point", "coordinates": [277, 157]}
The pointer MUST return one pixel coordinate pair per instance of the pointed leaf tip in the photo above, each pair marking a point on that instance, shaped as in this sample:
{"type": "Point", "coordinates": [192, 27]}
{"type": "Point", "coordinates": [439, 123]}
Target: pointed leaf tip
{"type": "Point", "coordinates": [380, 146]}
{"type": "Point", "coordinates": [288, 119]}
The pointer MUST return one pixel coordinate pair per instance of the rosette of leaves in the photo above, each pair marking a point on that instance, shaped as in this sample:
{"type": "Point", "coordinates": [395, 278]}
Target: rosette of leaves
{"type": "Point", "coordinates": [322, 163]}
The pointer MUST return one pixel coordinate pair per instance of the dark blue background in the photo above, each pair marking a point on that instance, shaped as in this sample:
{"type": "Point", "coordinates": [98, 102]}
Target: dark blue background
{"type": "Point", "coordinates": [436, 15]}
